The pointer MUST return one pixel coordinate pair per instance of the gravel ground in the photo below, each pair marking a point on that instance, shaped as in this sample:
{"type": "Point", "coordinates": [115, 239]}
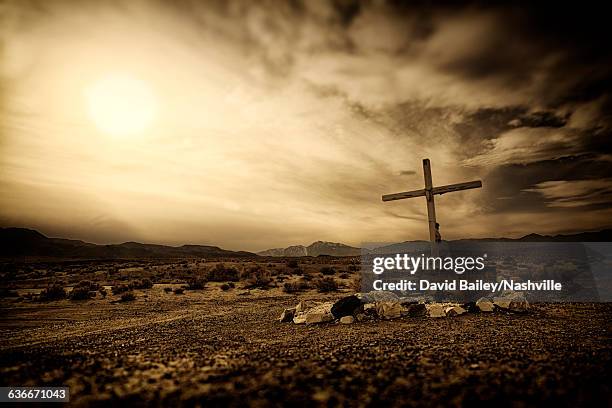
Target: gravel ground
{"type": "Point", "coordinates": [204, 349]}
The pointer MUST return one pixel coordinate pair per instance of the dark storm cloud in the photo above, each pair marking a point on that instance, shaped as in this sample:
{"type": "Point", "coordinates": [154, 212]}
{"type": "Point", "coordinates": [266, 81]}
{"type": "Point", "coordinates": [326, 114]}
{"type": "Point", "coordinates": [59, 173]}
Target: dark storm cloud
{"type": "Point", "coordinates": [519, 188]}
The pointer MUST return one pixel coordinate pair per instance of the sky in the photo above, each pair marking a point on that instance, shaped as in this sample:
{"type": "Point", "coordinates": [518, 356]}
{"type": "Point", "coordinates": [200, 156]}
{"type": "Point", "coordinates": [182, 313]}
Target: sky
{"type": "Point", "coordinates": [253, 125]}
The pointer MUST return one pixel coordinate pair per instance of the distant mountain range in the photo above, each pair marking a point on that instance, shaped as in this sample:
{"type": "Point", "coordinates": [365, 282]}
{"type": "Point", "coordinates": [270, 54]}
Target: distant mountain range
{"type": "Point", "coordinates": [22, 242]}
{"type": "Point", "coordinates": [314, 249]}
{"type": "Point", "coordinates": [337, 249]}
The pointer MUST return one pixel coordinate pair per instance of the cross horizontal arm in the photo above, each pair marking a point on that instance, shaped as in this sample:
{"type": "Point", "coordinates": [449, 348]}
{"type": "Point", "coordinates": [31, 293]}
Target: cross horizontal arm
{"type": "Point", "coordinates": [405, 194]}
{"type": "Point", "coordinates": [456, 187]}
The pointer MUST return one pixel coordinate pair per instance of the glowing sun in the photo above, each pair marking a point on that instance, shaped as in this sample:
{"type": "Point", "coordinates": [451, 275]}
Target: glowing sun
{"type": "Point", "coordinates": [121, 105]}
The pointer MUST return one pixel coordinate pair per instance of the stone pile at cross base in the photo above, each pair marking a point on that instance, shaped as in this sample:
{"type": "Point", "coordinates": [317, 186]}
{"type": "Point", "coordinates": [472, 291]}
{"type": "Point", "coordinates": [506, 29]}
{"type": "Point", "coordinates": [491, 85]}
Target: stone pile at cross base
{"type": "Point", "coordinates": [387, 305]}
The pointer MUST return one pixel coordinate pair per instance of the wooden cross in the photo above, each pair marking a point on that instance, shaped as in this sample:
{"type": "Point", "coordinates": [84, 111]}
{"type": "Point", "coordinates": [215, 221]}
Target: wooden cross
{"type": "Point", "coordinates": [429, 191]}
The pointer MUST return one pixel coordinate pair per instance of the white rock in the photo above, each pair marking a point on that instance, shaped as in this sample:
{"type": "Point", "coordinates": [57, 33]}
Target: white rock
{"type": "Point", "coordinates": [388, 310]}
{"type": "Point", "coordinates": [318, 314]}
{"type": "Point", "coordinates": [485, 305]}
{"type": "Point", "coordinates": [435, 310]}
{"type": "Point", "coordinates": [454, 311]}
{"type": "Point", "coordinates": [347, 319]}
{"type": "Point", "coordinates": [301, 319]}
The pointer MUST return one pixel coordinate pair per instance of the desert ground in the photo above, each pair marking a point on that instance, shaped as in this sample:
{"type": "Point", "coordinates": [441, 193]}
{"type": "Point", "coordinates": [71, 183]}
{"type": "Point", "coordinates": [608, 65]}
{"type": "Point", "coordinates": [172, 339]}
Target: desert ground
{"type": "Point", "coordinates": [195, 338]}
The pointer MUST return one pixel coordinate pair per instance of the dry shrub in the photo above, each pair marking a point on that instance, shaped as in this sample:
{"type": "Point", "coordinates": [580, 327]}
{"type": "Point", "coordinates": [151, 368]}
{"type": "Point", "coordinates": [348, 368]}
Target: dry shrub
{"type": "Point", "coordinates": [293, 287]}
{"type": "Point", "coordinates": [89, 285]}
{"type": "Point", "coordinates": [121, 288]}
{"type": "Point", "coordinates": [179, 291]}
{"type": "Point", "coordinates": [221, 273]}
{"type": "Point", "coordinates": [328, 270]}
{"type": "Point", "coordinates": [81, 293]}
{"type": "Point", "coordinates": [256, 277]}
{"type": "Point", "coordinates": [145, 283]}
{"type": "Point", "coordinates": [53, 292]}
{"type": "Point", "coordinates": [128, 297]}
{"type": "Point", "coordinates": [196, 283]}
{"type": "Point", "coordinates": [326, 284]}
{"type": "Point", "coordinates": [356, 283]}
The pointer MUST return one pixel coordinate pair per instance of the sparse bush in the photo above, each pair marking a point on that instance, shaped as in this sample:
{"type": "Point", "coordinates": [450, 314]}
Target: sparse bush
{"type": "Point", "coordinates": [121, 288]}
{"type": "Point", "coordinates": [103, 292]}
{"type": "Point", "coordinates": [81, 293]}
{"type": "Point", "coordinates": [298, 271]}
{"type": "Point", "coordinates": [293, 287]}
{"type": "Point", "coordinates": [344, 275]}
{"type": "Point", "coordinates": [256, 277]}
{"type": "Point", "coordinates": [196, 283]}
{"type": "Point", "coordinates": [356, 283]}
{"type": "Point", "coordinates": [221, 273]}
{"type": "Point", "coordinates": [89, 285]}
{"type": "Point", "coordinates": [179, 291]}
{"type": "Point", "coordinates": [327, 284]}
{"type": "Point", "coordinates": [231, 285]}
{"type": "Point", "coordinates": [167, 289]}
{"type": "Point", "coordinates": [328, 270]}
{"type": "Point", "coordinates": [353, 268]}
{"type": "Point", "coordinates": [128, 297]}
{"type": "Point", "coordinates": [307, 277]}
{"type": "Point", "coordinates": [53, 292]}
{"type": "Point", "coordinates": [145, 283]}
{"type": "Point", "coordinates": [225, 287]}
{"type": "Point", "coordinates": [292, 263]}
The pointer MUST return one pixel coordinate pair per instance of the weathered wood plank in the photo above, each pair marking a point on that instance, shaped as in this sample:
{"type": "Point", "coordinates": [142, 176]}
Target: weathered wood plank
{"type": "Point", "coordinates": [405, 194]}
{"type": "Point", "coordinates": [457, 187]}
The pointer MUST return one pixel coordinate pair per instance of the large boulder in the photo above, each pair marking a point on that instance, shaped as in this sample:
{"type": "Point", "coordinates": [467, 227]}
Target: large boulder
{"type": "Point", "coordinates": [347, 306]}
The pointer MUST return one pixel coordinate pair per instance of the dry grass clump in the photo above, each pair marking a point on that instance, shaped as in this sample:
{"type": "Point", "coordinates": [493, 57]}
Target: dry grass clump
{"type": "Point", "coordinates": [196, 283]}
{"type": "Point", "coordinates": [326, 284]}
{"type": "Point", "coordinates": [256, 277]}
{"type": "Point", "coordinates": [128, 297]}
{"type": "Point", "coordinates": [52, 292]}
{"type": "Point", "coordinates": [222, 273]}
{"type": "Point", "coordinates": [294, 287]}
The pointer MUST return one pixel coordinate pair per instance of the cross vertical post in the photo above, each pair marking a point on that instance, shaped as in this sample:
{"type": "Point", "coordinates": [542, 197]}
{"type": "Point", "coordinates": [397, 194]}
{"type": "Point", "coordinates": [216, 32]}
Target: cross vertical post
{"type": "Point", "coordinates": [431, 207]}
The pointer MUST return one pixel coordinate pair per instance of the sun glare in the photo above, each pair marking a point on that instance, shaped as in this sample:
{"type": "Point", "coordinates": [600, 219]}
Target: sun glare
{"type": "Point", "coordinates": [121, 105]}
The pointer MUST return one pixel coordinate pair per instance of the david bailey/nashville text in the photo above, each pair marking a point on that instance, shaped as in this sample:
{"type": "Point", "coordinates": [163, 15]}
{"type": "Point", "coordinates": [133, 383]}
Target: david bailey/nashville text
{"type": "Point", "coordinates": [462, 284]}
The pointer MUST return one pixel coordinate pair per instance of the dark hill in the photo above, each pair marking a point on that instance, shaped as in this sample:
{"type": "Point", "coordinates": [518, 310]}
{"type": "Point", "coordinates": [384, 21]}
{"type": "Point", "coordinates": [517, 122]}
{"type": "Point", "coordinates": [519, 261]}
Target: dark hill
{"type": "Point", "coordinates": [20, 242]}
